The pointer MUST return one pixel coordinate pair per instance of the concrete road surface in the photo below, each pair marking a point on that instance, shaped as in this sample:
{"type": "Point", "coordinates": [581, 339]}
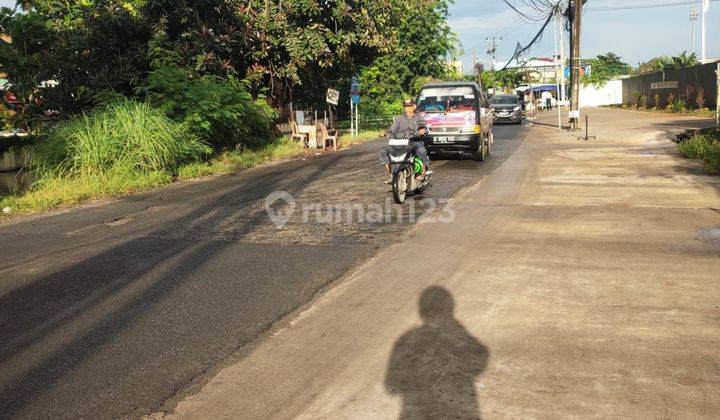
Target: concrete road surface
{"type": "Point", "coordinates": [578, 280]}
{"type": "Point", "coordinates": [110, 310]}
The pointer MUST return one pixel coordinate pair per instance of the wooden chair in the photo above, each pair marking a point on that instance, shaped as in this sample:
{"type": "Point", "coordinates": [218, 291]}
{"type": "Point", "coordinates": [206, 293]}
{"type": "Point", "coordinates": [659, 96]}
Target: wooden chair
{"type": "Point", "coordinates": [326, 136]}
{"type": "Point", "coordinates": [302, 137]}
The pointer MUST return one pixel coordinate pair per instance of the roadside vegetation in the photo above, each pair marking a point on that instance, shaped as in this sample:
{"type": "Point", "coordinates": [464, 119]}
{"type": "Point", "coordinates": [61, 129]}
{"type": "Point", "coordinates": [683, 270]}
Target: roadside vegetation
{"type": "Point", "coordinates": [705, 146]}
{"type": "Point", "coordinates": [58, 188]}
{"type": "Point", "coordinates": [664, 63]}
{"type": "Point", "coordinates": [121, 96]}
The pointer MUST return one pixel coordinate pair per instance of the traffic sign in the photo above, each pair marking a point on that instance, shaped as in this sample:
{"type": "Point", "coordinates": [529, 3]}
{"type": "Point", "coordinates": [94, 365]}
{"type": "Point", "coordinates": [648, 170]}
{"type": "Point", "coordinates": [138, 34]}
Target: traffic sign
{"type": "Point", "coordinates": [332, 96]}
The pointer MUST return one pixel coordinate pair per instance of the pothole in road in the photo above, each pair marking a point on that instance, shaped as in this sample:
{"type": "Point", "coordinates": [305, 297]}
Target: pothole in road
{"type": "Point", "coordinates": [118, 222]}
{"type": "Point", "coordinates": [711, 234]}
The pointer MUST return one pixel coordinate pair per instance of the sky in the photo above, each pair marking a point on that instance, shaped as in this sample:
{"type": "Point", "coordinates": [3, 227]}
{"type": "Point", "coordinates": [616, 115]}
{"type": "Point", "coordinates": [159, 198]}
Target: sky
{"type": "Point", "coordinates": [635, 35]}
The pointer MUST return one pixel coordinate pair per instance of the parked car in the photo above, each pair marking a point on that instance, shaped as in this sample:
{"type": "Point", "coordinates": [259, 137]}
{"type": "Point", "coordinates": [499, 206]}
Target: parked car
{"type": "Point", "coordinates": [458, 118]}
{"type": "Point", "coordinates": [506, 108]}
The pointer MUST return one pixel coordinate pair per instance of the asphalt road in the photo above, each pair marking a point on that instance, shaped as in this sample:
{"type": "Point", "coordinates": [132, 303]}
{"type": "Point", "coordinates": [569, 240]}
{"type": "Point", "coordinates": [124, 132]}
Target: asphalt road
{"type": "Point", "coordinates": [109, 310]}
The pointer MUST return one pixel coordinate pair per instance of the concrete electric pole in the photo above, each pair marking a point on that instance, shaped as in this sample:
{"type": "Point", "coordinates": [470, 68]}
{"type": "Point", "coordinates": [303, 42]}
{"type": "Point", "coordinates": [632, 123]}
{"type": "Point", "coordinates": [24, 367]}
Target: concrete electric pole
{"type": "Point", "coordinates": [575, 63]}
{"type": "Point", "coordinates": [492, 50]}
{"type": "Point", "coordinates": [562, 57]}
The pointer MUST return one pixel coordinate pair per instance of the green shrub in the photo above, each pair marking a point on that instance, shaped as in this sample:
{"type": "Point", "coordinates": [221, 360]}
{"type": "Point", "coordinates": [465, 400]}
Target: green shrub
{"type": "Point", "coordinates": [220, 111]}
{"type": "Point", "coordinates": [704, 146]}
{"type": "Point", "coordinates": [376, 113]}
{"type": "Point", "coordinates": [125, 137]}
{"type": "Point", "coordinates": [712, 158]}
{"type": "Point", "coordinates": [695, 147]}
{"type": "Point", "coordinates": [678, 105]}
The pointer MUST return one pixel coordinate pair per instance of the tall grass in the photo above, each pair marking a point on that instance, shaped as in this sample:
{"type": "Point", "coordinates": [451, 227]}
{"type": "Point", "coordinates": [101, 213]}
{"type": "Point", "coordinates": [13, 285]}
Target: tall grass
{"type": "Point", "coordinates": [82, 167]}
{"type": "Point", "coordinates": [121, 138]}
{"type": "Point", "coordinates": [123, 147]}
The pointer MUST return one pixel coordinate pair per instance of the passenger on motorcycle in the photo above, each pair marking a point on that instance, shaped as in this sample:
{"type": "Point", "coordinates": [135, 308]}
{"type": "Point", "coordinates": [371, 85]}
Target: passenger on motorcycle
{"type": "Point", "coordinates": [410, 126]}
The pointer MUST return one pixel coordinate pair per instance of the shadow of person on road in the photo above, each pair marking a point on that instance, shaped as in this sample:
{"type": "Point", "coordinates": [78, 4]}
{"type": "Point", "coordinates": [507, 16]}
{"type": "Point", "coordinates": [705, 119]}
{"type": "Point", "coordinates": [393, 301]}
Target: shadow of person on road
{"type": "Point", "coordinates": [434, 367]}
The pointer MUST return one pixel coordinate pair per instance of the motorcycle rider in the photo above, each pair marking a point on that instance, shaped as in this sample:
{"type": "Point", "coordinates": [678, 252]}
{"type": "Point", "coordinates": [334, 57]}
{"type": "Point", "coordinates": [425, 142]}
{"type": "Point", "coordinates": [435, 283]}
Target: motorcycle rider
{"type": "Point", "coordinates": [410, 126]}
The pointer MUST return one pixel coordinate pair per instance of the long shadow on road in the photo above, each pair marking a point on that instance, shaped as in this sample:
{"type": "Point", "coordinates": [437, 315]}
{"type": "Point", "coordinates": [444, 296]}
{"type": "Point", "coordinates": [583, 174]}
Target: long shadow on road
{"type": "Point", "coordinates": [36, 310]}
{"type": "Point", "coordinates": [433, 368]}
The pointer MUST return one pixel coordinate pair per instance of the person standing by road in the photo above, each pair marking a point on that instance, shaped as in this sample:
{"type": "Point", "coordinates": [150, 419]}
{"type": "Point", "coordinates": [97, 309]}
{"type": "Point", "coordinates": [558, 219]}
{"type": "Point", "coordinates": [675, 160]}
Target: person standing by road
{"type": "Point", "coordinates": [547, 99]}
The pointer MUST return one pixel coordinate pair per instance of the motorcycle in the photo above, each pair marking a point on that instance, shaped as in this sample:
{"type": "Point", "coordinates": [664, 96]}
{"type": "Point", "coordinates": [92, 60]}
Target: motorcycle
{"type": "Point", "coordinates": [404, 166]}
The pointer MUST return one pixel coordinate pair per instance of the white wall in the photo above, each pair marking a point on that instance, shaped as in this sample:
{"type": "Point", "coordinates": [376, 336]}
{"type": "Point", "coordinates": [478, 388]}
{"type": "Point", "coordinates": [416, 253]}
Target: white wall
{"type": "Point", "coordinates": [610, 94]}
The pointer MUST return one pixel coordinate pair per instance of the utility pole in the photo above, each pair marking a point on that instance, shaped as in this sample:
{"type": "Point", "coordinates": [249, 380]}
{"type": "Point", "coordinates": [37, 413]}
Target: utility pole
{"type": "Point", "coordinates": [693, 19]}
{"type": "Point", "coordinates": [492, 50]}
{"type": "Point", "coordinates": [576, 31]}
{"type": "Point", "coordinates": [562, 59]}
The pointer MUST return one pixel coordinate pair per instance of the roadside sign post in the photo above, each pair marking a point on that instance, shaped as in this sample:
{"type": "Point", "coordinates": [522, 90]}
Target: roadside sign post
{"type": "Point", "coordinates": [557, 103]}
{"type": "Point", "coordinates": [332, 98]}
{"type": "Point", "coordinates": [354, 101]}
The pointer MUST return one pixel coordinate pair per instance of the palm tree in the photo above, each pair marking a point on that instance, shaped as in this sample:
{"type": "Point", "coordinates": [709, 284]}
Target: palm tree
{"type": "Point", "coordinates": [684, 60]}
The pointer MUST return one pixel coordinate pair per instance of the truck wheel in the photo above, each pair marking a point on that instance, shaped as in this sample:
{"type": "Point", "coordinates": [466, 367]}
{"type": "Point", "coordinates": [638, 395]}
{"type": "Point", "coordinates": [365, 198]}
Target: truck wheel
{"type": "Point", "coordinates": [481, 152]}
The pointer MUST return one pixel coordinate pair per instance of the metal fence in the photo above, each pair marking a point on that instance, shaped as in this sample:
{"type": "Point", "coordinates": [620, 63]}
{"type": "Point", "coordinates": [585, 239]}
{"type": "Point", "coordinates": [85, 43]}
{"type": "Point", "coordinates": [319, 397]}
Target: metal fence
{"type": "Point", "coordinates": [683, 84]}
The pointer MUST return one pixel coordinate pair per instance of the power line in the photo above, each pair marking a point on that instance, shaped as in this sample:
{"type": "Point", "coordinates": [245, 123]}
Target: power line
{"type": "Point", "coordinates": [519, 49]}
{"type": "Point", "coordinates": [640, 6]}
{"type": "Point", "coordinates": [525, 14]}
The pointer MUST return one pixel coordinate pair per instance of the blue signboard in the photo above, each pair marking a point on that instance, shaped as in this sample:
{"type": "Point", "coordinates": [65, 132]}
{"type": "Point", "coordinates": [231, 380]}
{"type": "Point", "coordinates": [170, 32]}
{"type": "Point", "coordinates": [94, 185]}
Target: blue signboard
{"type": "Point", "coordinates": [355, 91]}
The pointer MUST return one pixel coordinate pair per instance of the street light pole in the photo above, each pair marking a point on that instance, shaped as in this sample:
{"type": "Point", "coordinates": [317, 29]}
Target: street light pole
{"type": "Point", "coordinates": [693, 19]}
{"type": "Point", "coordinates": [562, 60]}
{"type": "Point", "coordinates": [705, 7]}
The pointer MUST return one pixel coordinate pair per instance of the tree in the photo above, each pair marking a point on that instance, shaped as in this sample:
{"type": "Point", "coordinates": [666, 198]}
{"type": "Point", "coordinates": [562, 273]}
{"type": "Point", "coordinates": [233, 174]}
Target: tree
{"type": "Point", "coordinates": [507, 79]}
{"type": "Point", "coordinates": [285, 48]}
{"type": "Point", "coordinates": [86, 50]}
{"type": "Point", "coordinates": [605, 68]}
{"type": "Point", "coordinates": [684, 60]}
{"type": "Point", "coordinates": [664, 63]}
{"type": "Point", "coordinates": [279, 49]}
{"type": "Point", "coordinates": [423, 46]}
